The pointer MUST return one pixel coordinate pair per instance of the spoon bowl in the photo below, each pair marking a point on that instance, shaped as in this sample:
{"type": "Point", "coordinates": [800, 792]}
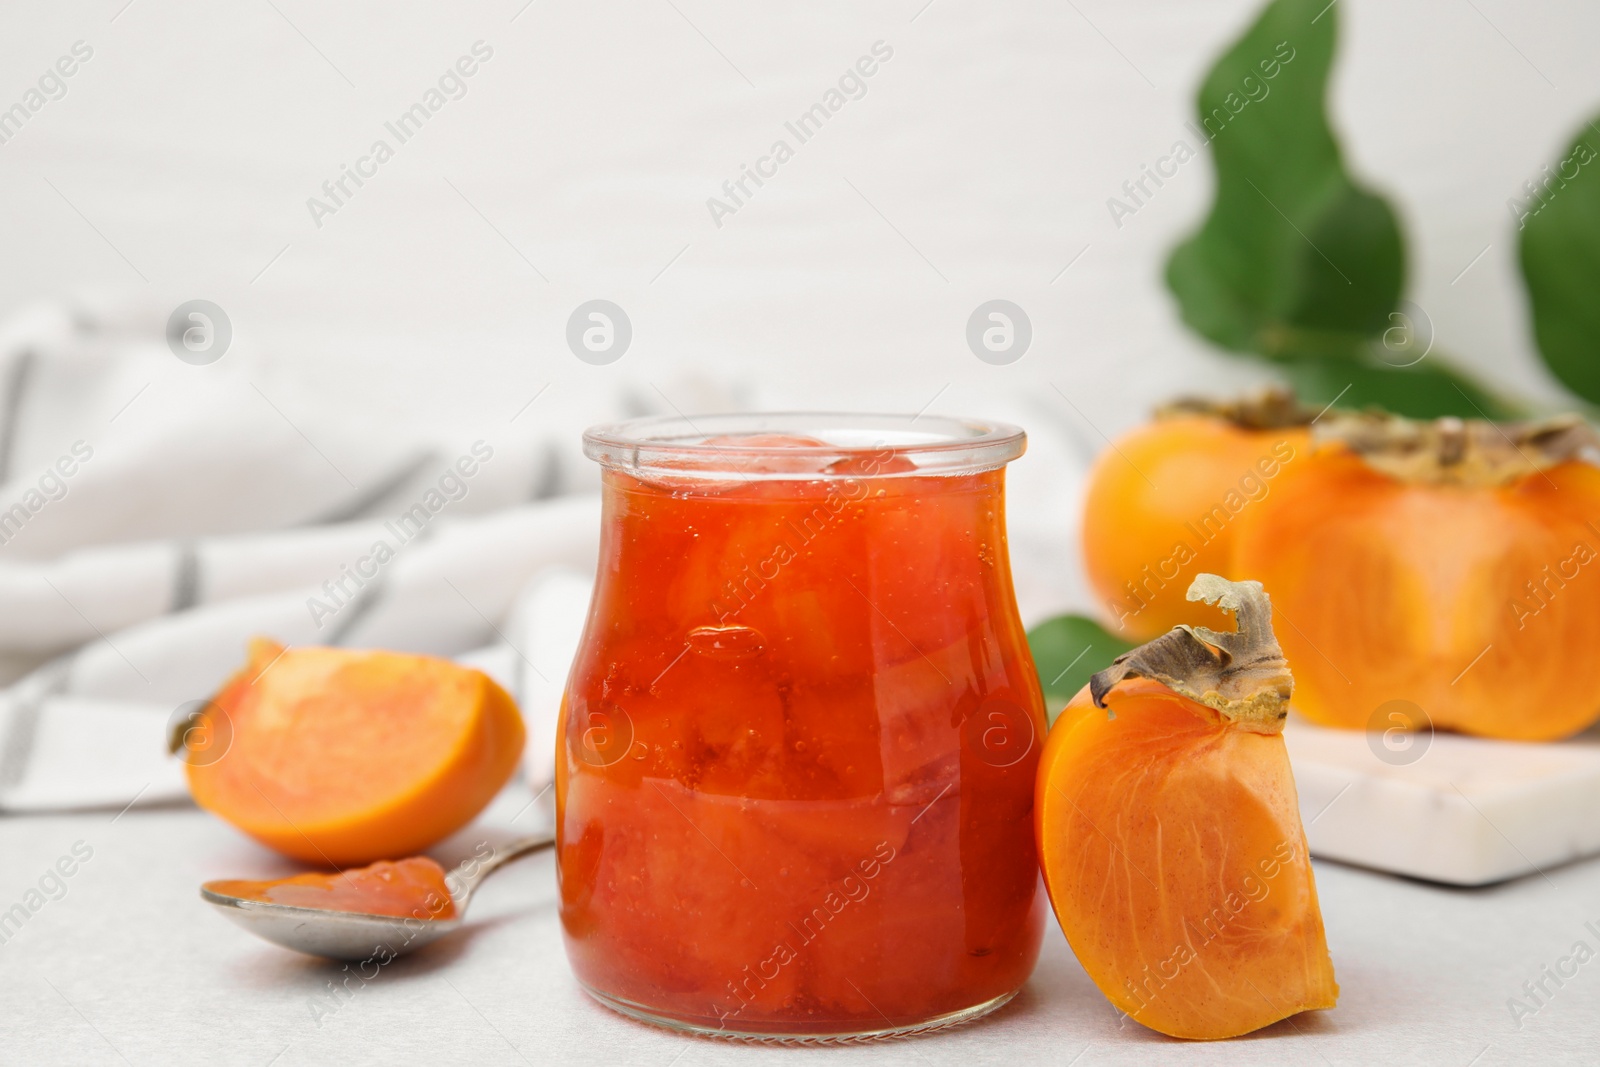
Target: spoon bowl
{"type": "Point", "coordinates": [335, 935]}
{"type": "Point", "coordinates": [353, 935]}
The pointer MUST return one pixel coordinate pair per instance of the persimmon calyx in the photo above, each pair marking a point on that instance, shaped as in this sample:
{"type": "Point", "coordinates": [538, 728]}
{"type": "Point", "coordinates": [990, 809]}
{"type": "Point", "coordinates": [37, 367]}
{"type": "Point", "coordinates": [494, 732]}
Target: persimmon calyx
{"type": "Point", "coordinates": [1241, 674]}
{"type": "Point", "coordinates": [1272, 408]}
{"type": "Point", "coordinates": [178, 732]}
{"type": "Point", "coordinates": [1451, 451]}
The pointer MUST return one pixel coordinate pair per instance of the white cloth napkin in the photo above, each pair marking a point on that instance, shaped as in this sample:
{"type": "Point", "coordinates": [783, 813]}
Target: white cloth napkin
{"type": "Point", "coordinates": [87, 728]}
{"type": "Point", "coordinates": [155, 516]}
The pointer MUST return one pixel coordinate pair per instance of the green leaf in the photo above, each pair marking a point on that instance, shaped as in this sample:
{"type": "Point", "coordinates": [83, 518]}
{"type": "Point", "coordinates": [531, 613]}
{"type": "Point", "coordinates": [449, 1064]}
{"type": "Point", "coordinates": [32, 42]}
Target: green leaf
{"type": "Point", "coordinates": [1066, 651]}
{"type": "Point", "coordinates": [1560, 219]}
{"type": "Point", "coordinates": [1427, 390]}
{"type": "Point", "coordinates": [1294, 258]}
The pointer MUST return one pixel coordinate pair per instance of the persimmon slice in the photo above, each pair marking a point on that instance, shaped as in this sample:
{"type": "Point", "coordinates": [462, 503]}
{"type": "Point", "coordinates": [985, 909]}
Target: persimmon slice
{"type": "Point", "coordinates": [338, 757]}
{"type": "Point", "coordinates": [1169, 831]}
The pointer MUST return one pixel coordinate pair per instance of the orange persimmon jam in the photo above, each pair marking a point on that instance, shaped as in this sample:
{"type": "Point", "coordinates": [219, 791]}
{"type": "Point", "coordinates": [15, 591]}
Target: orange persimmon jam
{"type": "Point", "coordinates": [410, 888]}
{"type": "Point", "coordinates": [795, 777]}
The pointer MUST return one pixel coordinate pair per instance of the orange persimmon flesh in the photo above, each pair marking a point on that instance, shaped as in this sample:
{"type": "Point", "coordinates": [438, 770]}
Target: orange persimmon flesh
{"type": "Point", "coordinates": [410, 888]}
{"type": "Point", "coordinates": [1172, 850]}
{"type": "Point", "coordinates": [1161, 507]}
{"type": "Point", "coordinates": [1478, 604]}
{"type": "Point", "coordinates": [339, 757]}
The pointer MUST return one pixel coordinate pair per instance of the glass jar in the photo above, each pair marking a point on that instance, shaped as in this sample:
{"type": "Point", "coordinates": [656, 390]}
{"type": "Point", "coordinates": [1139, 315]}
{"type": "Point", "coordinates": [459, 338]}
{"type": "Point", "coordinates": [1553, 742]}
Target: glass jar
{"type": "Point", "coordinates": [795, 776]}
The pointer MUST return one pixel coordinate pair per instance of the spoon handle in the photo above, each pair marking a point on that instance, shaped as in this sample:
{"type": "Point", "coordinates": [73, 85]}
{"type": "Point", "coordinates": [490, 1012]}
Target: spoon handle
{"type": "Point", "coordinates": [465, 879]}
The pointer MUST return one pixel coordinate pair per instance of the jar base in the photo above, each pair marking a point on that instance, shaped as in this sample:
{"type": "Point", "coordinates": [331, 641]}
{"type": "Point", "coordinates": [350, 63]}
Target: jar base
{"type": "Point", "coordinates": [777, 1036]}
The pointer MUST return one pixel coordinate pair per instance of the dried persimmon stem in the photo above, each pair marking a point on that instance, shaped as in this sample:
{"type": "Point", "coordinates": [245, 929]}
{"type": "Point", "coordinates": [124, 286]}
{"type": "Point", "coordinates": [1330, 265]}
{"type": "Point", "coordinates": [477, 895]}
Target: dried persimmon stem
{"type": "Point", "coordinates": [1272, 408]}
{"type": "Point", "coordinates": [1242, 674]}
{"type": "Point", "coordinates": [1452, 451]}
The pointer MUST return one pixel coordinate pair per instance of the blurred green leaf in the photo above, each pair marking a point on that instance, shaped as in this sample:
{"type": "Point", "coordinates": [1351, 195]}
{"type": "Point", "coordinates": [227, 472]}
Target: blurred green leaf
{"type": "Point", "coordinates": [1066, 651]}
{"type": "Point", "coordinates": [1294, 258]}
{"type": "Point", "coordinates": [1561, 264]}
{"type": "Point", "coordinates": [1426, 390]}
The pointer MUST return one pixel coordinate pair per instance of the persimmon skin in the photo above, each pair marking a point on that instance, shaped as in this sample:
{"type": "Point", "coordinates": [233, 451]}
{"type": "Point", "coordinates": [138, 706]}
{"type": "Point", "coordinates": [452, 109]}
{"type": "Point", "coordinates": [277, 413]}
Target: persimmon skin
{"type": "Point", "coordinates": [1419, 592]}
{"type": "Point", "coordinates": [339, 758]}
{"type": "Point", "coordinates": [1162, 506]}
{"type": "Point", "coordinates": [1173, 854]}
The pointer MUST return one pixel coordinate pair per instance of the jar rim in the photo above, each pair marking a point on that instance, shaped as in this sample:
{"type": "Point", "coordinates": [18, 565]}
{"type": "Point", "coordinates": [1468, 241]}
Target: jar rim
{"type": "Point", "coordinates": [680, 444]}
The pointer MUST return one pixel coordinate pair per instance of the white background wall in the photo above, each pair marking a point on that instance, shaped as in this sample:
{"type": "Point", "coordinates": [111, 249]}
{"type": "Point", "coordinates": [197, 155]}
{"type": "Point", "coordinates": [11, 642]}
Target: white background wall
{"type": "Point", "coordinates": [991, 141]}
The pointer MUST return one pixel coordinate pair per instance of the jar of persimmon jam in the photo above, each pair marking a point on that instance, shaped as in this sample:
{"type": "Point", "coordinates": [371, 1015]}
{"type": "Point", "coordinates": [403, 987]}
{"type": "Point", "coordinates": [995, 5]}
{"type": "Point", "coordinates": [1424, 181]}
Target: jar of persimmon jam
{"type": "Point", "coordinates": [795, 775]}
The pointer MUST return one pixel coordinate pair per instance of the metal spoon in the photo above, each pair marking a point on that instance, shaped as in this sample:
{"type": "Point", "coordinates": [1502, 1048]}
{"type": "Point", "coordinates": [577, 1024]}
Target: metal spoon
{"type": "Point", "coordinates": [348, 935]}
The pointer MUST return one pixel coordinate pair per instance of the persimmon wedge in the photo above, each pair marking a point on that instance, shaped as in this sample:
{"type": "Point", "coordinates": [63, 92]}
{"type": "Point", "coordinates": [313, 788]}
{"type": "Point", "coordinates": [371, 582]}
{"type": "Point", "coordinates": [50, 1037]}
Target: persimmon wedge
{"type": "Point", "coordinates": [338, 757]}
{"type": "Point", "coordinates": [1169, 831]}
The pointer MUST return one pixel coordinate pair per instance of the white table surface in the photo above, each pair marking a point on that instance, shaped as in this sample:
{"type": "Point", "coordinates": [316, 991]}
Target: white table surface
{"type": "Point", "coordinates": [131, 967]}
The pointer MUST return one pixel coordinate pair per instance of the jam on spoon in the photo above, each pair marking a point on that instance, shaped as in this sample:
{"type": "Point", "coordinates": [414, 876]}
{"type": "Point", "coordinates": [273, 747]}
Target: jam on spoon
{"type": "Point", "coordinates": [397, 906]}
{"type": "Point", "coordinates": [414, 887]}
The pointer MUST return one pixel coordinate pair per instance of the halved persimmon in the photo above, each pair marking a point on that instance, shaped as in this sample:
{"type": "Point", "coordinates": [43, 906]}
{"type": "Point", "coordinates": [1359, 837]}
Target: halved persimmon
{"type": "Point", "coordinates": [1169, 832]}
{"type": "Point", "coordinates": [1162, 505]}
{"type": "Point", "coordinates": [1447, 564]}
{"type": "Point", "coordinates": [338, 757]}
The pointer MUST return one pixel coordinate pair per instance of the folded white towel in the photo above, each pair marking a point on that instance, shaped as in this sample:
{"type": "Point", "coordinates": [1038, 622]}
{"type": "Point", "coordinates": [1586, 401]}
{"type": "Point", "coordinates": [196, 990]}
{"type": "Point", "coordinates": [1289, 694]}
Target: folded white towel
{"type": "Point", "coordinates": [154, 516]}
{"type": "Point", "coordinates": [450, 595]}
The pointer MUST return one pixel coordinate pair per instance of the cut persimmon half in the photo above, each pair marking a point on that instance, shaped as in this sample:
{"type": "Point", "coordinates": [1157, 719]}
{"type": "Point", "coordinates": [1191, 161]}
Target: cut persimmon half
{"type": "Point", "coordinates": [338, 757]}
{"type": "Point", "coordinates": [1448, 564]}
{"type": "Point", "coordinates": [1169, 831]}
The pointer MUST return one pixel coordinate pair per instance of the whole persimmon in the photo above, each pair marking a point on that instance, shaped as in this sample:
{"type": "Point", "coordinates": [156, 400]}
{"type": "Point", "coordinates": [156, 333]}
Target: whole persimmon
{"type": "Point", "coordinates": [1451, 565]}
{"type": "Point", "coordinates": [340, 757]}
{"type": "Point", "coordinates": [1164, 500]}
{"type": "Point", "coordinates": [1169, 831]}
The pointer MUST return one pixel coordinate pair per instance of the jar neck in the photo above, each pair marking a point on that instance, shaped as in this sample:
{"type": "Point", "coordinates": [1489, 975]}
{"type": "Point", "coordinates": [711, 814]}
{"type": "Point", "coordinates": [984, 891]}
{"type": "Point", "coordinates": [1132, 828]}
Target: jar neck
{"type": "Point", "coordinates": [809, 446]}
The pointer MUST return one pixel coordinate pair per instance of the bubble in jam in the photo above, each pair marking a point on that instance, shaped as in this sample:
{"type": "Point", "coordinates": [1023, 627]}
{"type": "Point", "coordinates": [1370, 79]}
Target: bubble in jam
{"type": "Point", "coordinates": [726, 642]}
